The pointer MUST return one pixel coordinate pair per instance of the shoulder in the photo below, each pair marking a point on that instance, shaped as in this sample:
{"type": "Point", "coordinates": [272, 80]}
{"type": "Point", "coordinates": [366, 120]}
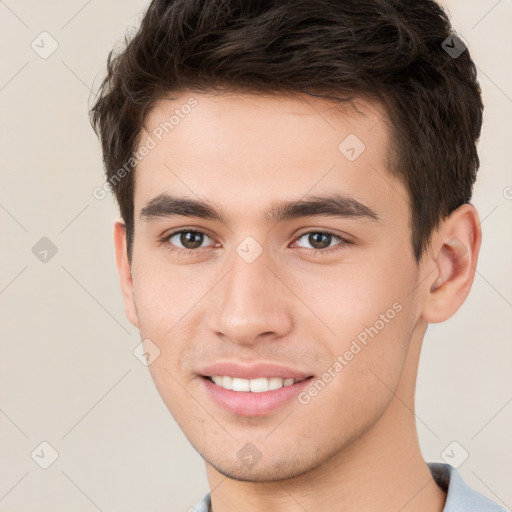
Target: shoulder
{"type": "Point", "coordinates": [203, 505]}
{"type": "Point", "coordinates": [460, 497]}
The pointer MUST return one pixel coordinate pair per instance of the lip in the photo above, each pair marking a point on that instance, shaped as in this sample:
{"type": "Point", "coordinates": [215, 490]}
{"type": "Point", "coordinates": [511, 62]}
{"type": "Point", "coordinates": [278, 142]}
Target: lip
{"type": "Point", "coordinates": [247, 403]}
{"type": "Point", "coordinates": [251, 371]}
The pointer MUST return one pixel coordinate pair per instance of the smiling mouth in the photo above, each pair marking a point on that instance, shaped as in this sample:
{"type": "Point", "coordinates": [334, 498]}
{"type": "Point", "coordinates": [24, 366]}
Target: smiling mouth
{"type": "Point", "coordinates": [257, 385]}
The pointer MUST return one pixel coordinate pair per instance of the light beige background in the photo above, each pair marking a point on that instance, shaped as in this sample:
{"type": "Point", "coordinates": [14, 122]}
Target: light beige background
{"type": "Point", "coordinates": [68, 375]}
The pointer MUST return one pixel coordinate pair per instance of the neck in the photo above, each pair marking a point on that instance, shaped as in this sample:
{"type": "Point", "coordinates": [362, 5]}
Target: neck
{"type": "Point", "coordinates": [382, 470]}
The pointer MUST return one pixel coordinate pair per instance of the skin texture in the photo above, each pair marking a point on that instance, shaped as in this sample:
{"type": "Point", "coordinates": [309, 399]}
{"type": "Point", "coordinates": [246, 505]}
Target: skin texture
{"type": "Point", "coordinates": [354, 445]}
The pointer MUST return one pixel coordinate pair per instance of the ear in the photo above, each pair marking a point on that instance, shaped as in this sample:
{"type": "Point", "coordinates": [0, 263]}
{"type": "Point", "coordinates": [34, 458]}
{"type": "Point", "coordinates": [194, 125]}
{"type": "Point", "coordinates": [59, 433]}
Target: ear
{"type": "Point", "coordinates": [454, 252]}
{"type": "Point", "coordinates": [124, 271]}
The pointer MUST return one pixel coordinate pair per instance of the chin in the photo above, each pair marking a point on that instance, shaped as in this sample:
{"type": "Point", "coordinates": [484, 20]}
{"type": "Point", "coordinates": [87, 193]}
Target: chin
{"type": "Point", "coordinates": [262, 471]}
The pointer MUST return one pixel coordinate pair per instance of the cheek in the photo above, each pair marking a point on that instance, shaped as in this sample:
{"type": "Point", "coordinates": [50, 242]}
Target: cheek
{"type": "Point", "coordinates": [365, 368]}
{"type": "Point", "coordinates": [351, 297]}
{"type": "Point", "coordinates": [370, 315]}
{"type": "Point", "coordinates": [163, 295]}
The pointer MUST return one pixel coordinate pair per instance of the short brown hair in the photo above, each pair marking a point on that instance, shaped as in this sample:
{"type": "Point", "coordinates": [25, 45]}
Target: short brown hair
{"type": "Point", "coordinates": [388, 50]}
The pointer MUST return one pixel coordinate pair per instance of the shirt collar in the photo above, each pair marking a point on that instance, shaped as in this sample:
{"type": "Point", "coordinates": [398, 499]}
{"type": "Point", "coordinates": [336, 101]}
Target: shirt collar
{"type": "Point", "coordinates": [459, 496]}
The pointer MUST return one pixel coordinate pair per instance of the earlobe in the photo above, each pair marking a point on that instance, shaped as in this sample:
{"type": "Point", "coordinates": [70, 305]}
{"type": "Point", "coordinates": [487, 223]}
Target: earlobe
{"type": "Point", "coordinates": [124, 271]}
{"type": "Point", "coordinates": [455, 253]}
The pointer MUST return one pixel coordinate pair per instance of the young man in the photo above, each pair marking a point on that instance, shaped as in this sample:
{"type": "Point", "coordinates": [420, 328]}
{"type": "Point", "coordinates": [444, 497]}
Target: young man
{"type": "Point", "coordinates": [294, 182]}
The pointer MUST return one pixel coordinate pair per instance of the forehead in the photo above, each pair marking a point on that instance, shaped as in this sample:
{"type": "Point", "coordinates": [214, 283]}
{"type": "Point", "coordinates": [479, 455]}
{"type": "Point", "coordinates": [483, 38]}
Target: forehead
{"type": "Point", "coordinates": [244, 149]}
{"type": "Point", "coordinates": [294, 121]}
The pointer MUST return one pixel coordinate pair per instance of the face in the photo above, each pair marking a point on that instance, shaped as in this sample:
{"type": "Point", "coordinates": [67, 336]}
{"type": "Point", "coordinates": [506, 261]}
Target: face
{"type": "Point", "coordinates": [300, 256]}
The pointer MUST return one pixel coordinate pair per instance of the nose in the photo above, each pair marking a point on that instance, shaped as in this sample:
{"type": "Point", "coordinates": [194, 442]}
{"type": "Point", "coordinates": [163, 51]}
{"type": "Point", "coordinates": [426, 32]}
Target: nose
{"type": "Point", "coordinates": [251, 303]}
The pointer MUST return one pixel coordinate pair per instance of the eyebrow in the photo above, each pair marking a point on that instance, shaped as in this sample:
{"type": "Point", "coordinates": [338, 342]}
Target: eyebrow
{"type": "Point", "coordinates": [333, 205]}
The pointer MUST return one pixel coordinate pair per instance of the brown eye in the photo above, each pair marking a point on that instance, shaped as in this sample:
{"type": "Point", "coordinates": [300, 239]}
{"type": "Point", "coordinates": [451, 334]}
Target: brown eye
{"type": "Point", "coordinates": [321, 240]}
{"type": "Point", "coordinates": [187, 239]}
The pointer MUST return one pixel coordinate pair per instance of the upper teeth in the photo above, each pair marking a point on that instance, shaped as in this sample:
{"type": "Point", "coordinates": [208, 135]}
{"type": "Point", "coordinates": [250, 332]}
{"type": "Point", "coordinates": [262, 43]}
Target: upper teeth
{"type": "Point", "coordinates": [258, 385]}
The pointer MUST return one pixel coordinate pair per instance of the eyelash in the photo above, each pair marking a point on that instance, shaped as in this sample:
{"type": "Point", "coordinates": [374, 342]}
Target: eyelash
{"type": "Point", "coordinates": [173, 249]}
